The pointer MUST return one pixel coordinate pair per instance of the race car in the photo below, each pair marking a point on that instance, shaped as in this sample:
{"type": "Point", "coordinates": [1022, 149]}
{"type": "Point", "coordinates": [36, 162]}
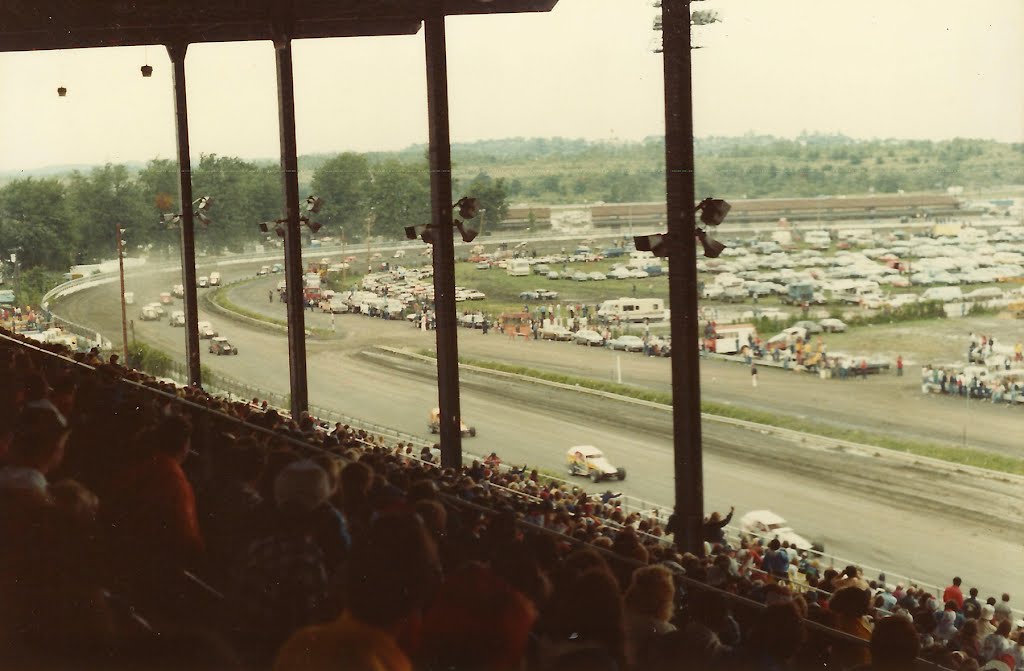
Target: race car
{"type": "Point", "coordinates": [589, 461]}
{"type": "Point", "coordinates": [434, 424]}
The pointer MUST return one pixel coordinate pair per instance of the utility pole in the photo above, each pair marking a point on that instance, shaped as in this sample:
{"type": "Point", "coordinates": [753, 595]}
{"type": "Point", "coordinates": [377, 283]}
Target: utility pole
{"type": "Point", "coordinates": [369, 226]}
{"type": "Point", "coordinates": [124, 309]}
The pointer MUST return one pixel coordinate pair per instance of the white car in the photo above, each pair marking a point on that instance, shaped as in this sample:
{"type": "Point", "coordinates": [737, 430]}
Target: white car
{"type": "Point", "coordinates": [589, 461]}
{"type": "Point", "coordinates": [206, 330]}
{"type": "Point", "coordinates": [832, 325]}
{"type": "Point", "coordinates": [178, 291]}
{"type": "Point", "coordinates": [203, 282]}
{"type": "Point", "coordinates": [158, 308]}
{"type": "Point", "coordinates": [177, 318]}
{"type": "Point", "coordinates": [627, 343]}
{"type": "Point", "coordinates": [767, 525]}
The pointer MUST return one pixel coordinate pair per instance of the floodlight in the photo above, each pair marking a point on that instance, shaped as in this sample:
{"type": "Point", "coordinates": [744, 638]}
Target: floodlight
{"type": "Point", "coordinates": [203, 219]}
{"type": "Point", "coordinates": [712, 248]}
{"type": "Point", "coordinates": [468, 207]}
{"type": "Point", "coordinates": [264, 227]}
{"type": "Point", "coordinates": [62, 91]}
{"type": "Point", "coordinates": [147, 70]}
{"type": "Point", "coordinates": [313, 204]}
{"type": "Point", "coordinates": [314, 226]}
{"type": "Point", "coordinates": [468, 234]}
{"type": "Point", "coordinates": [657, 244]}
{"type": "Point", "coordinates": [279, 229]}
{"type": "Point", "coordinates": [713, 211]}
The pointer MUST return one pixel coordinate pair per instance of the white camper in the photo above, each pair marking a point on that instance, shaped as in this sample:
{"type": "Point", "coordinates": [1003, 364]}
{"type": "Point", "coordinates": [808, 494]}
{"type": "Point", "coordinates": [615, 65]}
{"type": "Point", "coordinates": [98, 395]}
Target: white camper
{"type": "Point", "coordinates": [632, 310]}
{"type": "Point", "coordinates": [517, 267]}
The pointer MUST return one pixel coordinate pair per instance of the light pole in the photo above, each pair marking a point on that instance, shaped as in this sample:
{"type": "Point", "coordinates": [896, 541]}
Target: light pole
{"type": "Point", "coordinates": [124, 310]}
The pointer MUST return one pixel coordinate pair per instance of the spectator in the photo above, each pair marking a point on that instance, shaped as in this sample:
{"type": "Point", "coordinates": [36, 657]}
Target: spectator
{"type": "Point", "coordinates": [972, 607]}
{"type": "Point", "coordinates": [986, 626]}
{"type": "Point", "coordinates": [953, 593]}
{"type": "Point", "coordinates": [850, 606]}
{"type": "Point", "coordinates": [776, 561]}
{"type": "Point", "coordinates": [1003, 610]}
{"type": "Point", "coordinates": [476, 621]}
{"type": "Point", "coordinates": [997, 643]}
{"type": "Point", "coordinates": [384, 599]}
{"type": "Point", "coordinates": [582, 629]}
{"type": "Point", "coordinates": [282, 580]}
{"type": "Point", "coordinates": [894, 645]}
{"type": "Point", "coordinates": [714, 527]}
{"type": "Point", "coordinates": [649, 607]}
{"type": "Point", "coordinates": [36, 449]}
{"type": "Point", "coordinates": [776, 637]}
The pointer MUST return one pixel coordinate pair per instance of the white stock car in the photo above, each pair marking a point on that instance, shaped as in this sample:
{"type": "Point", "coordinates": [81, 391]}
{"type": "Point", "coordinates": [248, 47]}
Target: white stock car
{"type": "Point", "coordinates": [767, 525]}
{"type": "Point", "coordinates": [589, 461]}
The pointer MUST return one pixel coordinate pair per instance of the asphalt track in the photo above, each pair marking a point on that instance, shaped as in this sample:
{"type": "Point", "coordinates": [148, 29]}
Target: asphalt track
{"type": "Point", "coordinates": [911, 520]}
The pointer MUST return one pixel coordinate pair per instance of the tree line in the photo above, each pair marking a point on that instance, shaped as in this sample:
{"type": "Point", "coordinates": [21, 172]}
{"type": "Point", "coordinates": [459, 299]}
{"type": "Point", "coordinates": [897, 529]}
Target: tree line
{"type": "Point", "coordinates": [55, 221]}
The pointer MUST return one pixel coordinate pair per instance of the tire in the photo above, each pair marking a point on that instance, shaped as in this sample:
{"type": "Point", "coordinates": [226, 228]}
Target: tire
{"type": "Point", "coordinates": [621, 475]}
{"type": "Point", "coordinates": [235, 352]}
{"type": "Point", "coordinates": [595, 477]}
{"type": "Point", "coordinates": [472, 432]}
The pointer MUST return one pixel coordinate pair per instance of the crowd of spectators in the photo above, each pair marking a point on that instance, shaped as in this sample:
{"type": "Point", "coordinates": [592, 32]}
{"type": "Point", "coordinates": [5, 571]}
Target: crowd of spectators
{"type": "Point", "coordinates": [152, 526]}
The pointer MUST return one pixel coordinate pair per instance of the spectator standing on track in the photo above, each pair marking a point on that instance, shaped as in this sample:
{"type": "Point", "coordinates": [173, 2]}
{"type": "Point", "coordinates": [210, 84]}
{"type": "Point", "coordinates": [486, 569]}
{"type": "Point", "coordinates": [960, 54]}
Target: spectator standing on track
{"type": "Point", "coordinates": [753, 375]}
{"type": "Point", "coordinates": [899, 366]}
{"type": "Point", "coordinates": [864, 369]}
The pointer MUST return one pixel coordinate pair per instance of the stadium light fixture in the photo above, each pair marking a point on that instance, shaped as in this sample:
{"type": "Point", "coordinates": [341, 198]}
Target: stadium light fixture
{"type": "Point", "coordinates": [147, 70]}
{"type": "Point", "coordinates": [712, 213]}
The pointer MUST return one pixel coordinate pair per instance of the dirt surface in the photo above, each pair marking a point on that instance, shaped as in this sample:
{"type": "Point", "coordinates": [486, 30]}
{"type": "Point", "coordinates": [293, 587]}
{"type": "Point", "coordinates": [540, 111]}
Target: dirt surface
{"type": "Point", "coordinates": [895, 514]}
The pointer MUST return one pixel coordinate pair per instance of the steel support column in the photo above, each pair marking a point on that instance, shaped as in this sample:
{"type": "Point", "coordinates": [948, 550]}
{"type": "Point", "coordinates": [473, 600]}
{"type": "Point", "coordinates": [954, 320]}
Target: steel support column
{"type": "Point", "coordinates": [682, 277]}
{"type": "Point", "coordinates": [188, 238]}
{"type": "Point", "coordinates": [293, 236]}
{"type": "Point", "coordinates": [444, 247]}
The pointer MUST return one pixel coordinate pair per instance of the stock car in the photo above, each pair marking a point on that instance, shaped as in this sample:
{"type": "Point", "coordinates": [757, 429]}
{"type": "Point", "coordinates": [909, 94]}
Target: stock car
{"type": "Point", "coordinates": [589, 461]}
{"type": "Point", "coordinates": [220, 345]}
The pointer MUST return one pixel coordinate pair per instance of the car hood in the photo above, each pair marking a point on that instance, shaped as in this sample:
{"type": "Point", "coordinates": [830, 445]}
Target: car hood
{"type": "Point", "coordinates": [602, 464]}
{"type": "Point", "coordinates": [790, 536]}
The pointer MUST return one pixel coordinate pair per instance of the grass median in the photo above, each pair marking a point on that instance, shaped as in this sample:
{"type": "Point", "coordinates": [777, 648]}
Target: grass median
{"type": "Point", "coordinates": [221, 300]}
{"type": "Point", "coordinates": [956, 455]}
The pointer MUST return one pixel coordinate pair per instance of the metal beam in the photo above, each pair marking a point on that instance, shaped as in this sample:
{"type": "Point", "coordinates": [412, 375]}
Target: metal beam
{"type": "Point", "coordinates": [188, 238]}
{"type": "Point", "coordinates": [293, 271]}
{"type": "Point", "coordinates": [682, 278]}
{"type": "Point", "coordinates": [444, 247]}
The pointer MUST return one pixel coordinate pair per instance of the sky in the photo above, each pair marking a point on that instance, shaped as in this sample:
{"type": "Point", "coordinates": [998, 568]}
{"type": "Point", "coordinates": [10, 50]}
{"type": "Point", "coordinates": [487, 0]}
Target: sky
{"type": "Point", "coordinates": [912, 69]}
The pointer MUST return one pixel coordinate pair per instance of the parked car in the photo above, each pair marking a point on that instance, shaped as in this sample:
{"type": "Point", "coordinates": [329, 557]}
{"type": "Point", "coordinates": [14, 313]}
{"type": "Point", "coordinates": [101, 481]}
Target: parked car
{"type": "Point", "coordinates": [555, 332]}
{"type": "Point", "coordinates": [220, 345]}
{"type": "Point", "coordinates": [767, 525]}
{"type": "Point", "coordinates": [812, 328]}
{"type": "Point", "coordinates": [483, 265]}
{"type": "Point", "coordinates": [434, 424]}
{"type": "Point", "coordinates": [627, 343]}
{"type": "Point", "coordinates": [588, 337]}
{"type": "Point", "coordinates": [580, 276]}
{"type": "Point", "coordinates": [276, 268]}
{"type": "Point", "coordinates": [206, 330]}
{"type": "Point", "coordinates": [589, 461]}
{"type": "Point", "coordinates": [832, 325]}
{"type": "Point", "coordinates": [596, 276]}
{"type": "Point", "coordinates": [264, 270]}
{"type": "Point", "coordinates": [545, 294]}
{"type": "Point", "coordinates": [177, 318]}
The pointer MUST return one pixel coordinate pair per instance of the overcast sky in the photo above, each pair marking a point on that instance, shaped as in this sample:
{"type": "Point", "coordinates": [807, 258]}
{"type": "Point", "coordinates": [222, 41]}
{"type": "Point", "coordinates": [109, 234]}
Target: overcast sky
{"type": "Point", "coordinates": [931, 69]}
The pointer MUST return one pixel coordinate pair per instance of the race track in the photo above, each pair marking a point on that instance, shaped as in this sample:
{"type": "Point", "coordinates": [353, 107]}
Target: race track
{"type": "Point", "coordinates": [914, 520]}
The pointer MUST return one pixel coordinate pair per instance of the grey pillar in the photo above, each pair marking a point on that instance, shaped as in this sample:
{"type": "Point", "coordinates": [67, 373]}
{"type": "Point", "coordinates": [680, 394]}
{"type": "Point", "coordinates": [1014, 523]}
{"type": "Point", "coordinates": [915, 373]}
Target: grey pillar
{"type": "Point", "coordinates": [188, 237]}
{"type": "Point", "coordinates": [293, 237]}
{"type": "Point", "coordinates": [682, 277]}
{"type": "Point", "coordinates": [444, 247]}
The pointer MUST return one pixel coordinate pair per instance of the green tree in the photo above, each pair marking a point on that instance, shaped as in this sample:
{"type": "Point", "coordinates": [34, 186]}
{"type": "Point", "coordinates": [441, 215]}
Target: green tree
{"type": "Point", "coordinates": [493, 199]}
{"type": "Point", "coordinates": [399, 197]}
{"type": "Point", "coordinates": [34, 221]}
{"type": "Point", "coordinates": [98, 202]}
{"type": "Point", "coordinates": [344, 184]}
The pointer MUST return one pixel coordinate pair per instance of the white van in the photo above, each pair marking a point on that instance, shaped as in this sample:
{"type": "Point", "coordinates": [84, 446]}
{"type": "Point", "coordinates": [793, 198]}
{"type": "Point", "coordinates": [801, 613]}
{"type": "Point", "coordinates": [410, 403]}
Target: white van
{"type": "Point", "coordinates": [632, 310]}
{"type": "Point", "coordinates": [517, 267]}
{"type": "Point", "coordinates": [215, 279]}
{"type": "Point", "coordinates": [641, 259]}
{"type": "Point", "coordinates": [817, 239]}
{"type": "Point", "coordinates": [943, 294]}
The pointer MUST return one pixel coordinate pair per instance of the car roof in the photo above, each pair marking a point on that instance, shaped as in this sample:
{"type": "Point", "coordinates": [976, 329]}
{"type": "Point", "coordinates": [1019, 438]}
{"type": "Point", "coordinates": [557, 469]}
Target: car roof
{"type": "Point", "coordinates": [220, 339]}
{"type": "Point", "coordinates": [587, 450]}
{"type": "Point", "coordinates": [766, 516]}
